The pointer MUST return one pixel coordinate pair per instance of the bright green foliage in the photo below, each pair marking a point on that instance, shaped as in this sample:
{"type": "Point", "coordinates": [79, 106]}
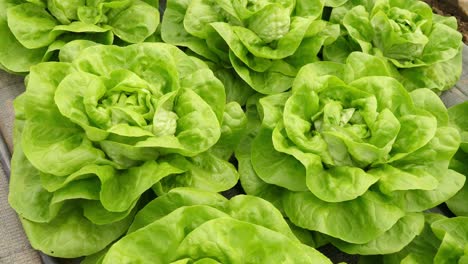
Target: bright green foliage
{"type": "Point", "coordinates": [191, 226]}
{"type": "Point", "coordinates": [32, 30]}
{"type": "Point", "coordinates": [330, 107]}
{"type": "Point", "coordinates": [266, 41]}
{"type": "Point", "coordinates": [350, 153]}
{"type": "Point", "coordinates": [232, 130]}
{"type": "Point", "coordinates": [92, 135]}
{"type": "Point", "coordinates": [458, 116]}
{"type": "Point", "coordinates": [443, 241]}
{"type": "Point", "coordinates": [425, 47]}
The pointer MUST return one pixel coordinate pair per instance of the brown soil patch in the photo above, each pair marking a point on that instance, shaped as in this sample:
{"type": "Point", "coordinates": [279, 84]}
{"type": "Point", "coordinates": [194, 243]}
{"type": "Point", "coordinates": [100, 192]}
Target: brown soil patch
{"type": "Point", "coordinates": [451, 8]}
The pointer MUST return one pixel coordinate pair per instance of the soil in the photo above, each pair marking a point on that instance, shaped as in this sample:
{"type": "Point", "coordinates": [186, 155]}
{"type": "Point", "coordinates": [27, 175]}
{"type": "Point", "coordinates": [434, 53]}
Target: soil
{"type": "Point", "coordinates": [451, 8]}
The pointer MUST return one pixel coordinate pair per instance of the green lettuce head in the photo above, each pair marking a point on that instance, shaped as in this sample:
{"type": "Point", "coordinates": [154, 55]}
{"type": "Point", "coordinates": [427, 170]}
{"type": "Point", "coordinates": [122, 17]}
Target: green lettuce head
{"type": "Point", "coordinates": [32, 30]}
{"type": "Point", "coordinates": [443, 240]}
{"type": "Point", "coordinates": [350, 153]}
{"type": "Point", "coordinates": [93, 134]}
{"type": "Point", "coordinates": [425, 47]}
{"type": "Point", "coordinates": [191, 226]}
{"type": "Point", "coordinates": [265, 41]}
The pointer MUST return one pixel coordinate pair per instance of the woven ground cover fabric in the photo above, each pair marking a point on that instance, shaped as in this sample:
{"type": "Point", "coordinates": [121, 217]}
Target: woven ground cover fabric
{"type": "Point", "coordinates": [14, 246]}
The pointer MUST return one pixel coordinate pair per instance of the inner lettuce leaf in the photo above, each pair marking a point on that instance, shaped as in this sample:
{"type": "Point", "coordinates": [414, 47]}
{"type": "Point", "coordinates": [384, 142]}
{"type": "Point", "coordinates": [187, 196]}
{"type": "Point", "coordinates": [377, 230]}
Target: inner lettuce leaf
{"type": "Point", "coordinates": [194, 226]}
{"type": "Point", "coordinates": [351, 141]}
{"type": "Point", "coordinates": [443, 240]}
{"type": "Point", "coordinates": [265, 42]}
{"type": "Point", "coordinates": [32, 30]}
{"type": "Point", "coordinates": [94, 133]}
{"type": "Point", "coordinates": [425, 47]}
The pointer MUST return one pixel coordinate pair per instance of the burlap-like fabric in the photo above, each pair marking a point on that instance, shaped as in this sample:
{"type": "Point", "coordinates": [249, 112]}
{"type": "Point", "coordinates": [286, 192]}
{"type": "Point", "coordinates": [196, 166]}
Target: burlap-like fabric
{"type": "Point", "coordinates": [10, 87]}
{"type": "Point", "coordinates": [14, 247]}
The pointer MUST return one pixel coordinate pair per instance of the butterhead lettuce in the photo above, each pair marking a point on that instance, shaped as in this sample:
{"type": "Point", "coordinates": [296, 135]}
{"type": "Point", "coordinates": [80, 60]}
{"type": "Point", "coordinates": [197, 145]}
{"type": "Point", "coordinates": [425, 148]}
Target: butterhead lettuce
{"type": "Point", "coordinates": [265, 41]}
{"type": "Point", "coordinates": [32, 30]}
{"type": "Point", "coordinates": [425, 47]}
{"type": "Point", "coordinates": [350, 153]}
{"type": "Point", "coordinates": [93, 134]}
{"type": "Point", "coordinates": [191, 226]}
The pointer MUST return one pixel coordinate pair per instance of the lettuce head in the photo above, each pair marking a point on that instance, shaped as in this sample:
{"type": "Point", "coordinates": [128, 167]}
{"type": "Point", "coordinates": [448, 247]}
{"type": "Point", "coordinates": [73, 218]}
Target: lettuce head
{"type": "Point", "coordinates": [350, 153]}
{"type": "Point", "coordinates": [425, 47]}
{"type": "Point", "coordinates": [94, 133]}
{"type": "Point", "coordinates": [265, 41]}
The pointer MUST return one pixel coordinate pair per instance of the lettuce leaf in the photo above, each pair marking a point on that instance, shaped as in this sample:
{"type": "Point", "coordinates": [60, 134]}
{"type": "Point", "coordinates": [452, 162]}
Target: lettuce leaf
{"type": "Point", "coordinates": [443, 240]}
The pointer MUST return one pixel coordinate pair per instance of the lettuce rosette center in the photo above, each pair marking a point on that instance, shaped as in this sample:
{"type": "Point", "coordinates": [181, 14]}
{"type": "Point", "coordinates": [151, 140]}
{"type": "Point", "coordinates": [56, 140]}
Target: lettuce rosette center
{"type": "Point", "coordinates": [329, 118]}
{"type": "Point", "coordinates": [408, 29]}
{"type": "Point", "coordinates": [404, 20]}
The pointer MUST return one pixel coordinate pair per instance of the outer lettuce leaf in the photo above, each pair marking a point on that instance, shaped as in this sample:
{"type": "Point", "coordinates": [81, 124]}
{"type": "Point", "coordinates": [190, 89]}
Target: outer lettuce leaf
{"type": "Point", "coordinates": [53, 238]}
{"type": "Point", "coordinates": [443, 240]}
{"type": "Point", "coordinates": [348, 140]}
{"type": "Point", "coordinates": [174, 32]}
{"type": "Point", "coordinates": [457, 114]}
{"type": "Point", "coordinates": [457, 204]}
{"type": "Point", "coordinates": [196, 225]}
{"type": "Point", "coordinates": [15, 57]}
{"type": "Point", "coordinates": [438, 77]}
{"type": "Point", "coordinates": [457, 119]}
{"type": "Point", "coordinates": [421, 250]}
{"type": "Point", "coordinates": [51, 219]}
{"type": "Point", "coordinates": [454, 236]}
{"type": "Point", "coordinates": [171, 201]}
{"type": "Point", "coordinates": [94, 133]}
{"type": "Point", "coordinates": [232, 130]}
{"type": "Point", "coordinates": [335, 3]}
{"type": "Point", "coordinates": [319, 214]}
{"type": "Point", "coordinates": [236, 89]}
{"type": "Point", "coordinates": [393, 240]}
{"type": "Point", "coordinates": [251, 183]}
{"type": "Point", "coordinates": [205, 171]}
{"type": "Point", "coordinates": [49, 25]}
{"type": "Point", "coordinates": [408, 34]}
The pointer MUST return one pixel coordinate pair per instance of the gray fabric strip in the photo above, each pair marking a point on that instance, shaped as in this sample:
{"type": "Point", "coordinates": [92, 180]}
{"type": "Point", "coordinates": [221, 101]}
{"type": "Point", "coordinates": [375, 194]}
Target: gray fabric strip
{"type": "Point", "coordinates": [14, 246]}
